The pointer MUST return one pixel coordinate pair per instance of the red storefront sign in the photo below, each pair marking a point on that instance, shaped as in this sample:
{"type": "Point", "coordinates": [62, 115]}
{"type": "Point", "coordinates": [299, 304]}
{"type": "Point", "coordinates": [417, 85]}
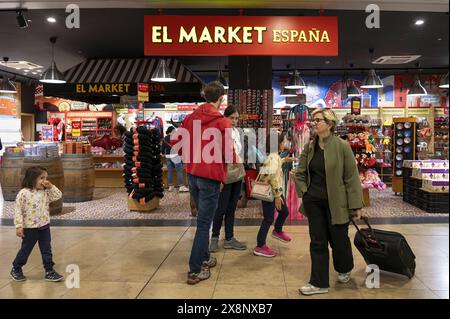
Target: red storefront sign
{"type": "Point", "coordinates": [240, 35]}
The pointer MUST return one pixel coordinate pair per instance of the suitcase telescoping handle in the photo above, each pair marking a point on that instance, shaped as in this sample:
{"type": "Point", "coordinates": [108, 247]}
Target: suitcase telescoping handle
{"type": "Point", "coordinates": [363, 236]}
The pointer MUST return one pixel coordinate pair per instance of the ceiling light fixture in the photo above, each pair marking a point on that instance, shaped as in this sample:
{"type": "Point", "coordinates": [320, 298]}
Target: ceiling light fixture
{"type": "Point", "coordinates": [220, 77]}
{"type": "Point", "coordinates": [21, 21]}
{"type": "Point", "coordinates": [443, 83]}
{"type": "Point", "coordinates": [162, 73]}
{"type": "Point", "coordinates": [419, 22]}
{"type": "Point", "coordinates": [295, 81]}
{"type": "Point", "coordinates": [52, 74]}
{"type": "Point", "coordinates": [6, 85]}
{"type": "Point", "coordinates": [372, 81]}
{"type": "Point", "coordinates": [51, 20]}
{"type": "Point", "coordinates": [417, 88]}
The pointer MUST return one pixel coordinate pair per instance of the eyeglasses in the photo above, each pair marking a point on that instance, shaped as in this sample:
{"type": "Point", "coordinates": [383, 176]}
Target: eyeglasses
{"type": "Point", "coordinates": [317, 121]}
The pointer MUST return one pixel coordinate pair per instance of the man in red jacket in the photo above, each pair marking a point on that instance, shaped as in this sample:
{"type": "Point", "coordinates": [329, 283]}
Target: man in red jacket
{"type": "Point", "coordinates": [206, 148]}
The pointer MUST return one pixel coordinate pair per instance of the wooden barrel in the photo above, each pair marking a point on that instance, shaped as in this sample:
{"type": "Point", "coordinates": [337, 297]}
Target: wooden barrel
{"type": "Point", "coordinates": [55, 176]}
{"type": "Point", "coordinates": [79, 177]}
{"type": "Point", "coordinates": [10, 175]}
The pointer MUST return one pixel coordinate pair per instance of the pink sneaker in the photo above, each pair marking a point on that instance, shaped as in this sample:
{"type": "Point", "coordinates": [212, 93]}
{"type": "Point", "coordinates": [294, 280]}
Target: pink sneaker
{"type": "Point", "coordinates": [264, 251]}
{"type": "Point", "coordinates": [281, 236]}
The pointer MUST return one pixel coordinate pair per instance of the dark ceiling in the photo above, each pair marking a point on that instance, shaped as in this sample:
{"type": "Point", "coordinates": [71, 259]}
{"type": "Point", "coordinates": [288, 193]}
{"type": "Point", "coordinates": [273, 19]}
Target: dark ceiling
{"type": "Point", "coordinates": [119, 33]}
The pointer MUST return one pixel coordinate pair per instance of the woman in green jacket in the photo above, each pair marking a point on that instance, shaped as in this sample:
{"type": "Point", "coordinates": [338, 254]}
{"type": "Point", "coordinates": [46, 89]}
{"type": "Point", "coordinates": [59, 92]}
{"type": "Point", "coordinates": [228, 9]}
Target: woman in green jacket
{"type": "Point", "coordinates": [327, 180]}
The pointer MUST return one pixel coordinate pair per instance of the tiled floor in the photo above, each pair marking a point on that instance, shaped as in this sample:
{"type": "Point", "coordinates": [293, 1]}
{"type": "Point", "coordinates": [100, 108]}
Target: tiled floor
{"type": "Point", "coordinates": [151, 262]}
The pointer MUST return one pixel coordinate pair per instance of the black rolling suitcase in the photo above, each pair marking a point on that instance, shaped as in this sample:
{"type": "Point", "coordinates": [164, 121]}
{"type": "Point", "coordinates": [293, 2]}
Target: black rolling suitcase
{"type": "Point", "coordinates": [388, 250]}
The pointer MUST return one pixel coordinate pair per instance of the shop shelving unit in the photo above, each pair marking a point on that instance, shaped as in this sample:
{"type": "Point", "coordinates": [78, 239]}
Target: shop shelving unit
{"type": "Point", "coordinates": [399, 149]}
{"type": "Point", "coordinates": [108, 176]}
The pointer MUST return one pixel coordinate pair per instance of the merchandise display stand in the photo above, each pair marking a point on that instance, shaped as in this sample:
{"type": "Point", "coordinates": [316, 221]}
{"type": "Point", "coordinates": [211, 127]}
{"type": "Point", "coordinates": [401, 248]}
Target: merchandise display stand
{"type": "Point", "coordinates": [143, 168]}
{"type": "Point", "coordinates": [405, 136]}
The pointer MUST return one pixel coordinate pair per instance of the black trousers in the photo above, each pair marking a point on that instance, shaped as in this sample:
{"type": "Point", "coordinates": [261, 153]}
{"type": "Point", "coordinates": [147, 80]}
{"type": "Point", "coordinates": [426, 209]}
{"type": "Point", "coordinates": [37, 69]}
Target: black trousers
{"type": "Point", "coordinates": [269, 212]}
{"type": "Point", "coordinates": [322, 232]}
{"type": "Point", "coordinates": [228, 200]}
{"type": "Point", "coordinates": [31, 237]}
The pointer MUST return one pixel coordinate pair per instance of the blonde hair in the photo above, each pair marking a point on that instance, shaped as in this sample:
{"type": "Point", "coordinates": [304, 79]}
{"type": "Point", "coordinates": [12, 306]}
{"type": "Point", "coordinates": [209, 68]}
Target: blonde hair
{"type": "Point", "coordinates": [329, 117]}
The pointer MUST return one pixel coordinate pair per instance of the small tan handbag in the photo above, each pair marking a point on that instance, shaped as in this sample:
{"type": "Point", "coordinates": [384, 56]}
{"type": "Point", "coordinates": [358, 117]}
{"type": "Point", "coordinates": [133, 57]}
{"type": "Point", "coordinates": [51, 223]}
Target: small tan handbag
{"type": "Point", "coordinates": [262, 190]}
{"type": "Point", "coordinates": [235, 172]}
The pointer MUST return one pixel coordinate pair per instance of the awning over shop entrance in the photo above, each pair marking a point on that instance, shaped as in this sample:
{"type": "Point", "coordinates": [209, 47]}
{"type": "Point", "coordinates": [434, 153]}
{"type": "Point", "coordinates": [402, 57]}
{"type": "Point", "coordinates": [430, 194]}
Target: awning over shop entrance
{"type": "Point", "coordinates": [126, 71]}
{"type": "Point", "coordinates": [105, 80]}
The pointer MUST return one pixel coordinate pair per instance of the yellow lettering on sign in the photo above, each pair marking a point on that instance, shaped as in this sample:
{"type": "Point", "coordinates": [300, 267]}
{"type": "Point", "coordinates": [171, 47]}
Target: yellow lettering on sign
{"type": "Point", "coordinates": [247, 35]}
{"type": "Point", "coordinates": [188, 37]}
{"type": "Point", "coordinates": [166, 38]}
{"type": "Point", "coordinates": [205, 36]}
{"type": "Point", "coordinates": [114, 88]}
{"type": "Point", "coordinates": [313, 35]}
{"type": "Point", "coordinates": [107, 88]}
{"type": "Point", "coordinates": [127, 87]}
{"type": "Point", "coordinates": [92, 88]}
{"type": "Point", "coordinates": [285, 36]}
{"type": "Point", "coordinates": [276, 36]}
{"type": "Point", "coordinates": [260, 30]}
{"type": "Point", "coordinates": [219, 35]}
{"type": "Point", "coordinates": [302, 37]}
{"type": "Point", "coordinates": [232, 34]}
{"type": "Point", "coordinates": [101, 89]}
{"type": "Point", "coordinates": [80, 88]}
{"type": "Point", "coordinates": [294, 34]}
{"type": "Point", "coordinates": [156, 34]}
{"type": "Point", "coordinates": [325, 37]}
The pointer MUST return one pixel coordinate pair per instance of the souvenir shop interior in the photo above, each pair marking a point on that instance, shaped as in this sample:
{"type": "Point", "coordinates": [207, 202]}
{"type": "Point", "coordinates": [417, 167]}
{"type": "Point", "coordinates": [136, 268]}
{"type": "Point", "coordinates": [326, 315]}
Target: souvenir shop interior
{"type": "Point", "coordinates": [395, 119]}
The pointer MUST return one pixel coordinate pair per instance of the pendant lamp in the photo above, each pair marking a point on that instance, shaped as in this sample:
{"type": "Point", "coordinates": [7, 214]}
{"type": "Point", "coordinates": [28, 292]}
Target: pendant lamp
{"type": "Point", "coordinates": [295, 81]}
{"type": "Point", "coordinates": [6, 85]}
{"type": "Point", "coordinates": [353, 90]}
{"type": "Point", "coordinates": [372, 81]}
{"type": "Point", "coordinates": [162, 73]}
{"type": "Point", "coordinates": [417, 89]}
{"type": "Point", "coordinates": [52, 74]}
{"type": "Point", "coordinates": [443, 84]}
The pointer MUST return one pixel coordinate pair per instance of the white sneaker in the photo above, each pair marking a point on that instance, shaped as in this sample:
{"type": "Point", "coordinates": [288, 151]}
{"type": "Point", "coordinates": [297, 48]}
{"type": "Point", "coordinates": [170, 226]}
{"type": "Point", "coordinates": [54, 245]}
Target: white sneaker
{"type": "Point", "coordinates": [183, 189]}
{"type": "Point", "coordinates": [344, 278]}
{"type": "Point", "coordinates": [309, 290]}
{"type": "Point", "coordinates": [171, 188]}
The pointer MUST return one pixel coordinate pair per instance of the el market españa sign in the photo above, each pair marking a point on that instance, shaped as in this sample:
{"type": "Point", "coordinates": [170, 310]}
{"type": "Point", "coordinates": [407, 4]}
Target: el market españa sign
{"type": "Point", "coordinates": [241, 35]}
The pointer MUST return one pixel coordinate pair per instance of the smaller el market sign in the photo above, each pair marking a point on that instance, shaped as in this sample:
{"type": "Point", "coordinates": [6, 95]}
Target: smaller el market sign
{"type": "Point", "coordinates": [241, 35]}
{"type": "Point", "coordinates": [104, 88]}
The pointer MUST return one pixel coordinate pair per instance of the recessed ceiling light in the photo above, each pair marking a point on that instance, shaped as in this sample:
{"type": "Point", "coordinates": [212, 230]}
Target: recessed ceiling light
{"type": "Point", "coordinates": [34, 72]}
{"type": "Point", "coordinates": [439, 39]}
{"type": "Point", "coordinates": [51, 19]}
{"type": "Point", "coordinates": [419, 22]}
{"type": "Point", "coordinates": [327, 62]}
{"type": "Point", "coordinates": [26, 70]}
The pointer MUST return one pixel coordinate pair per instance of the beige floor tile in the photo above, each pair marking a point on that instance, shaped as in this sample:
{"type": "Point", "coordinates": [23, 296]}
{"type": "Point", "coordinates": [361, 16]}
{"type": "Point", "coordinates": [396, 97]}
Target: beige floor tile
{"type": "Point", "coordinates": [202, 290]}
{"type": "Point", "coordinates": [104, 290]}
{"type": "Point", "coordinates": [127, 267]}
{"type": "Point", "coordinates": [224, 291]}
{"type": "Point", "coordinates": [34, 261]}
{"type": "Point", "coordinates": [397, 294]}
{"type": "Point", "coordinates": [443, 294]}
{"type": "Point", "coordinates": [251, 270]}
{"type": "Point", "coordinates": [4, 282]}
{"type": "Point", "coordinates": [435, 283]}
{"type": "Point", "coordinates": [334, 293]}
{"type": "Point", "coordinates": [33, 289]}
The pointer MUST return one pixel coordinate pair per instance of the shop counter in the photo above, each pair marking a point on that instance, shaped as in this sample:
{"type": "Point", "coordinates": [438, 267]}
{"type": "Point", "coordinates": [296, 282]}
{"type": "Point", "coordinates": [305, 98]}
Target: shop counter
{"type": "Point", "coordinates": [108, 176]}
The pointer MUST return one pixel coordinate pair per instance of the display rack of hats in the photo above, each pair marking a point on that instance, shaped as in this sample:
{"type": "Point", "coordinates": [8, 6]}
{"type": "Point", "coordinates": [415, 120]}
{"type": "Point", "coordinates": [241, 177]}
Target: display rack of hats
{"type": "Point", "coordinates": [405, 139]}
{"type": "Point", "coordinates": [143, 169]}
{"type": "Point", "coordinates": [426, 184]}
{"type": "Point", "coordinates": [255, 107]}
{"type": "Point", "coordinates": [441, 126]}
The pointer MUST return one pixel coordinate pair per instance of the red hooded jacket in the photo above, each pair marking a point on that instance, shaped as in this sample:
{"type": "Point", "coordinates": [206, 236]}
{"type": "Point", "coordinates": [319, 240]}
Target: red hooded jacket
{"type": "Point", "coordinates": [206, 116]}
